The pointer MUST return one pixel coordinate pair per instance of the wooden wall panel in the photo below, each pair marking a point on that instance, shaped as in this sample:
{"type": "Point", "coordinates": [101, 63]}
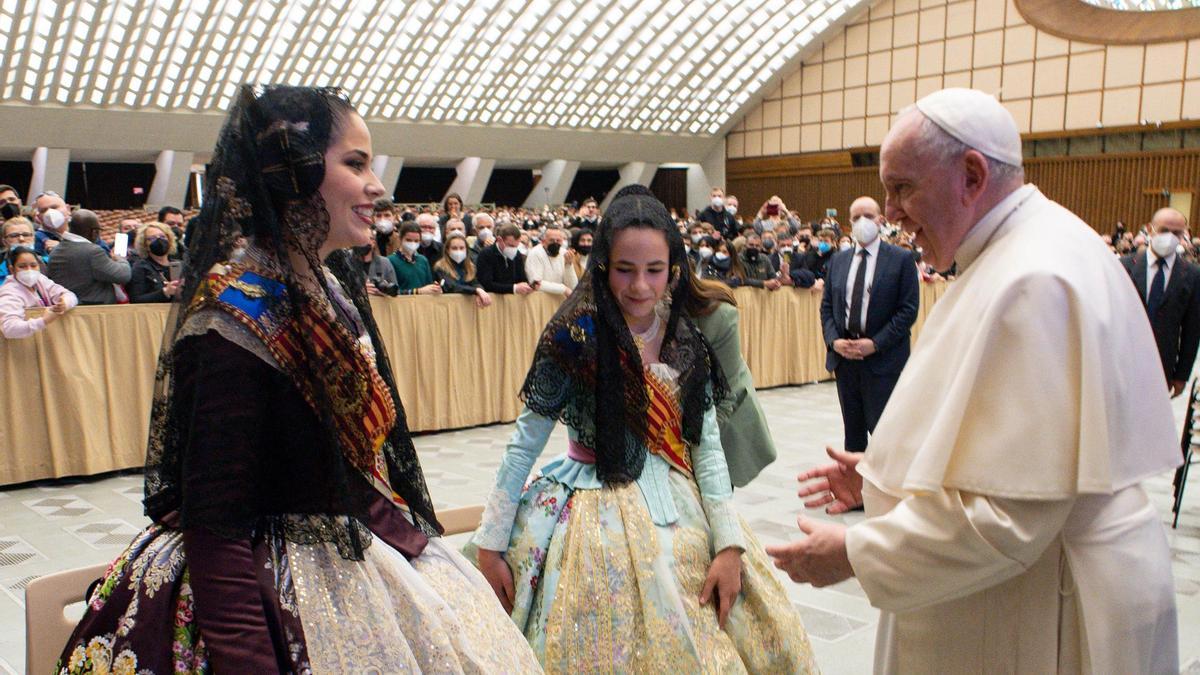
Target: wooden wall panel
{"type": "Point", "coordinates": [1101, 189]}
{"type": "Point", "coordinates": [808, 194]}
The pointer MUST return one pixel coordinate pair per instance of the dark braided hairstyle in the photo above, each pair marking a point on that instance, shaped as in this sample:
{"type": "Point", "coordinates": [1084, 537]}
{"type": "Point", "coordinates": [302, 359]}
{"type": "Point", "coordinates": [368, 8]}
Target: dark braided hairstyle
{"type": "Point", "coordinates": [588, 373]}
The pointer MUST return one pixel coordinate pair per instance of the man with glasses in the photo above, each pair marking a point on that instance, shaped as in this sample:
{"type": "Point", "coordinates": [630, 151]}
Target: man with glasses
{"type": "Point", "coordinates": [52, 215]}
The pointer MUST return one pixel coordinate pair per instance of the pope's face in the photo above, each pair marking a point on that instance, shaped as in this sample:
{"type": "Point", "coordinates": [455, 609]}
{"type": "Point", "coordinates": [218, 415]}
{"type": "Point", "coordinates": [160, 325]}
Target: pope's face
{"type": "Point", "coordinates": [924, 196]}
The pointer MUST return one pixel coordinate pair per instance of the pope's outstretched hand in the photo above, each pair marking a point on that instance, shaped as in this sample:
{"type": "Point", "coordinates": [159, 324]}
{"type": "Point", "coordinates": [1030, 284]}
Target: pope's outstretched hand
{"type": "Point", "coordinates": [836, 486]}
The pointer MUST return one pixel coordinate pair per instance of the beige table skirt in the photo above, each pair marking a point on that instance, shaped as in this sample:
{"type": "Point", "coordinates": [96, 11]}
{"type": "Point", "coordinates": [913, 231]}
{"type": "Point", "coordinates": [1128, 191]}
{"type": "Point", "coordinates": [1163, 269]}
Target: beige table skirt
{"type": "Point", "coordinates": [75, 398]}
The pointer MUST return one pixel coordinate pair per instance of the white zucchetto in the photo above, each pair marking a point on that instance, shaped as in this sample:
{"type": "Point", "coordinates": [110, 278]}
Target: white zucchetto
{"type": "Point", "coordinates": [977, 119]}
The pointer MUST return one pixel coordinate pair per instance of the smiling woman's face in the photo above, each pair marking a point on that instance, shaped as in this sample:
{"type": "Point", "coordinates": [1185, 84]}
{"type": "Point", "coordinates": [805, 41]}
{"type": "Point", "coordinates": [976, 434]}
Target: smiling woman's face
{"type": "Point", "coordinates": [638, 271]}
{"type": "Point", "coordinates": [350, 187]}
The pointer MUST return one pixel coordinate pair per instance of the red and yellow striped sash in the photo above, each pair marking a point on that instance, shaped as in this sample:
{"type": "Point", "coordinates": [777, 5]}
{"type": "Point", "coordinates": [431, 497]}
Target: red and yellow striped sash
{"type": "Point", "coordinates": [665, 425]}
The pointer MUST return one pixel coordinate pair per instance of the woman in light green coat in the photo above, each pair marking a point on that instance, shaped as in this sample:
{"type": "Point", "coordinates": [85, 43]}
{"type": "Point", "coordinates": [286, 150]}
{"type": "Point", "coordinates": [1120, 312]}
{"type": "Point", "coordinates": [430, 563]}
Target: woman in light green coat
{"type": "Point", "coordinates": [744, 433]}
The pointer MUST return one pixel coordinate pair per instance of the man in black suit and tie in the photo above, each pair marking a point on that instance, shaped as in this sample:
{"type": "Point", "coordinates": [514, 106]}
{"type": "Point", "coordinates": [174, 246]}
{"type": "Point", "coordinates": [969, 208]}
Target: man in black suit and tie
{"type": "Point", "coordinates": [1167, 285]}
{"type": "Point", "coordinates": [868, 307]}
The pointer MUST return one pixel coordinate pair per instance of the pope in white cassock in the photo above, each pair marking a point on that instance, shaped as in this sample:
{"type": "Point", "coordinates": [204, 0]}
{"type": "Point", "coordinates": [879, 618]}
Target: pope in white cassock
{"type": "Point", "coordinates": [1006, 529]}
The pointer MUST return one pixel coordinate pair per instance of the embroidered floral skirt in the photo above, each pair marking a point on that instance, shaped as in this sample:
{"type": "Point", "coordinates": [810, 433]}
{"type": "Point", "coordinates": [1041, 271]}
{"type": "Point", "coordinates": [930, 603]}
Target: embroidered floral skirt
{"type": "Point", "coordinates": [601, 588]}
{"type": "Point", "coordinates": [386, 614]}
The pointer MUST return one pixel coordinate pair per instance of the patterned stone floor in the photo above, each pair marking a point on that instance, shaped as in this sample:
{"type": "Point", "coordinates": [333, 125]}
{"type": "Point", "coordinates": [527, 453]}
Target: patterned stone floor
{"type": "Point", "coordinates": [50, 527]}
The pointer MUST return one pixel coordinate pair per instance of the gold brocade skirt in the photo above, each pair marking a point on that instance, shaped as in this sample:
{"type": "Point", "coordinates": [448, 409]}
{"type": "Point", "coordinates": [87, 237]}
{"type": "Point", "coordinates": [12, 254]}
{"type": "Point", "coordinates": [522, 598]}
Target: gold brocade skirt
{"type": "Point", "coordinates": [601, 588]}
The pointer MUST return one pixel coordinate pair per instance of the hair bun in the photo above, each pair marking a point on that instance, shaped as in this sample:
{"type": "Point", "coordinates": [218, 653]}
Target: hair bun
{"type": "Point", "coordinates": [293, 166]}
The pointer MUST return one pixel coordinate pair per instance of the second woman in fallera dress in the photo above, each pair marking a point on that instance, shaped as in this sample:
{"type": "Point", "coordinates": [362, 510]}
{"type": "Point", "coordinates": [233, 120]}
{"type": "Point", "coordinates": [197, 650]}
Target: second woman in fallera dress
{"type": "Point", "coordinates": [625, 554]}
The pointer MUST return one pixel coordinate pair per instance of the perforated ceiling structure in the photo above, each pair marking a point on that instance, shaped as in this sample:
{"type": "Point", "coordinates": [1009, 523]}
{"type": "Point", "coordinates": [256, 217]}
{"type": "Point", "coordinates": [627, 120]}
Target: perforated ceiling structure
{"type": "Point", "coordinates": [682, 67]}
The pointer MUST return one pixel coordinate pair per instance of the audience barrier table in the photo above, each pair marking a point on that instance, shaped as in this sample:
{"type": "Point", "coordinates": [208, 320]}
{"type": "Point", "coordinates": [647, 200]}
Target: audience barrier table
{"type": "Point", "coordinates": [75, 398]}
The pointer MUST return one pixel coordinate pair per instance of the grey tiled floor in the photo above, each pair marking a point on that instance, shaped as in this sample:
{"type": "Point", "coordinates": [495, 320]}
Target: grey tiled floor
{"type": "Point", "coordinates": [46, 528]}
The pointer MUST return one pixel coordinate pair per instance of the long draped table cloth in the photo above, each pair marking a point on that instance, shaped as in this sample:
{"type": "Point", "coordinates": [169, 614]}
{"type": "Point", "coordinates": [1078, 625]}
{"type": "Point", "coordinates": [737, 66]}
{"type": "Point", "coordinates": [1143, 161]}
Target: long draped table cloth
{"type": "Point", "coordinates": [75, 398]}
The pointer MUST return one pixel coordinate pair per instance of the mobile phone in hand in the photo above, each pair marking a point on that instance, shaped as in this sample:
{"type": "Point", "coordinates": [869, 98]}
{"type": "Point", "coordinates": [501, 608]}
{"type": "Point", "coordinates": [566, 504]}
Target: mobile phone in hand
{"type": "Point", "coordinates": [772, 209]}
{"type": "Point", "coordinates": [175, 269]}
{"type": "Point", "coordinates": [121, 245]}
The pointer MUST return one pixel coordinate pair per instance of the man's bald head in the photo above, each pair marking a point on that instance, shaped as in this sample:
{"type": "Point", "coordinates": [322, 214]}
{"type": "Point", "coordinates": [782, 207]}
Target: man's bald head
{"type": "Point", "coordinates": [1170, 220]}
{"type": "Point", "coordinates": [864, 207]}
{"type": "Point", "coordinates": [85, 223]}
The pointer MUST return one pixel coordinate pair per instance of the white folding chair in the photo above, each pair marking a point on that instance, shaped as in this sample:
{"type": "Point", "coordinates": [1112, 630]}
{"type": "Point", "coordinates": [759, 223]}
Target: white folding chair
{"type": "Point", "coordinates": [47, 629]}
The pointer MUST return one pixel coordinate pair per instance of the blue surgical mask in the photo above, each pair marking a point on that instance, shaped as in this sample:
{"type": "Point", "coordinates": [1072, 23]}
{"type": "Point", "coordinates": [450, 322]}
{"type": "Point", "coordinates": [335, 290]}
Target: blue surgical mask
{"type": "Point", "coordinates": [823, 247]}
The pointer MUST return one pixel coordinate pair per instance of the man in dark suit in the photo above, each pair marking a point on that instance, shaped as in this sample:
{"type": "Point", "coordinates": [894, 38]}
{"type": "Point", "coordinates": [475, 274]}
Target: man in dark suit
{"type": "Point", "coordinates": [500, 268]}
{"type": "Point", "coordinates": [868, 307]}
{"type": "Point", "coordinates": [1168, 286]}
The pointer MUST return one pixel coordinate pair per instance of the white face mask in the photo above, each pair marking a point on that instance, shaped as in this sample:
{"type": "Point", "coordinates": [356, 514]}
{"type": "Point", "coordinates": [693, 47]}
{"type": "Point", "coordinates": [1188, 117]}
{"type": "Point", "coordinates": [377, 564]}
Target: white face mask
{"type": "Point", "coordinates": [28, 277]}
{"type": "Point", "coordinates": [718, 202]}
{"type": "Point", "coordinates": [1164, 244]}
{"type": "Point", "coordinates": [523, 249]}
{"type": "Point", "coordinates": [732, 209]}
{"type": "Point", "coordinates": [845, 246]}
{"type": "Point", "coordinates": [511, 252]}
{"type": "Point", "coordinates": [722, 257]}
{"type": "Point", "coordinates": [384, 227]}
{"type": "Point", "coordinates": [458, 256]}
{"type": "Point", "coordinates": [697, 238]}
{"type": "Point", "coordinates": [410, 247]}
{"type": "Point", "coordinates": [53, 219]}
{"type": "Point", "coordinates": [458, 232]}
{"type": "Point", "coordinates": [865, 231]}
{"type": "Point", "coordinates": [426, 238]}
{"type": "Point", "coordinates": [485, 234]}
{"type": "Point", "coordinates": [705, 252]}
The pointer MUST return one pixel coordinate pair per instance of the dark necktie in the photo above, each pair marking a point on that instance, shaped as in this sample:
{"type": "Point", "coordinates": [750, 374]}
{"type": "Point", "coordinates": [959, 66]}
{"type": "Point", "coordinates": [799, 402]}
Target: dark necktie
{"type": "Point", "coordinates": [1157, 288]}
{"type": "Point", "coordinates": [854, 325]}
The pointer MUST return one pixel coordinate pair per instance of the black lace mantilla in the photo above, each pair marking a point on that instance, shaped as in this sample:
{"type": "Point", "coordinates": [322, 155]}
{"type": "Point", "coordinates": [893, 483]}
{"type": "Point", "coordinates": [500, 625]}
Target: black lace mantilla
{"type": "Point", "coordinates": [588, 374]}
{"type": "Point", "coordinates": [263, 184]}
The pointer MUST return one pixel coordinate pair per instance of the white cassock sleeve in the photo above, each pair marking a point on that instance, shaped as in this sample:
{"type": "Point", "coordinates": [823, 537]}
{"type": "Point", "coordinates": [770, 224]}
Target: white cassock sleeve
{"type": "Point", "coordinates": [937, 547]}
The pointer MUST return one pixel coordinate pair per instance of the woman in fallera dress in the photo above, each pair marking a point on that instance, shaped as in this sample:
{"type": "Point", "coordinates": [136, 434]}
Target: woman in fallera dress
{"type": "Point", "coordinates": [293, 531]}
{"type": "Point", "coordinates": [625, 554]}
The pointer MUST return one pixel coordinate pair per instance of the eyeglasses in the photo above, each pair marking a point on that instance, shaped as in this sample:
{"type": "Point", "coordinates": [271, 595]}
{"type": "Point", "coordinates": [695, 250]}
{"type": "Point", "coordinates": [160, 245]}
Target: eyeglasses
{"type": "Point", "coordinates": [18, 235]}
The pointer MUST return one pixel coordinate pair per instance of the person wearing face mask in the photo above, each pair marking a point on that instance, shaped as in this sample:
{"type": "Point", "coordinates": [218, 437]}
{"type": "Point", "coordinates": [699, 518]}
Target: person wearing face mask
{"type": "Point", "coordinates": [430, 246]}
{"type": "Point", "coordinates": [485, 234]}
{"type": "Point", "coordinates": [724, 265]}
{"type": "Point", "coordinates": [758, 270]}
{"type": "Point", "coordinates": [27, 287]}
{"type": "Point", "coordinates": [692, 244]}
{"type": "Point", "coordinates": [501, 267]}
{"type": "Point", "coordinates": [413, 273]}
{"type": "Point", "coordinates": [810, 272]}
{"type": "Point", "coordinates": [868, 307]}
{"type": "Point", "coordinates": [150, 279]}
{"type": "Point", "coordinates": [551, 265]}
{"type": "Point", "coordinates": [456, 271]}
{"type": "Point", "coordinates": [53, 214]}
{"type": "Point", "coordinates": [381, 276]}
{"type": "Point", "coordinates": [717, 215]}
{"type": "Point", "coordinates": [16, 232]}
{"type": "Point", "coordinates": [581, 244]}
{"type": "Point", "coordinates": [1169, 287]}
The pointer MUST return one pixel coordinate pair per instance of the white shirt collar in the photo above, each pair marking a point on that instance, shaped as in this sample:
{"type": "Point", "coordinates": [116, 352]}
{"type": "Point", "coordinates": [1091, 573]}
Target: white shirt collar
{"type": "Point", "coordinates": [981, 233]}
{"type": "Point", "coordinates": [872, 248]}
{"type": "Point", "coordinates": [1151, 259]}
{"type": "Point", "coordinates": [71, 236]}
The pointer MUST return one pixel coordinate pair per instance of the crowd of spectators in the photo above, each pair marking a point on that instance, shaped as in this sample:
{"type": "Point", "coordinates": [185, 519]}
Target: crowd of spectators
{"type": "Point", "coordinates": [445, 248]}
